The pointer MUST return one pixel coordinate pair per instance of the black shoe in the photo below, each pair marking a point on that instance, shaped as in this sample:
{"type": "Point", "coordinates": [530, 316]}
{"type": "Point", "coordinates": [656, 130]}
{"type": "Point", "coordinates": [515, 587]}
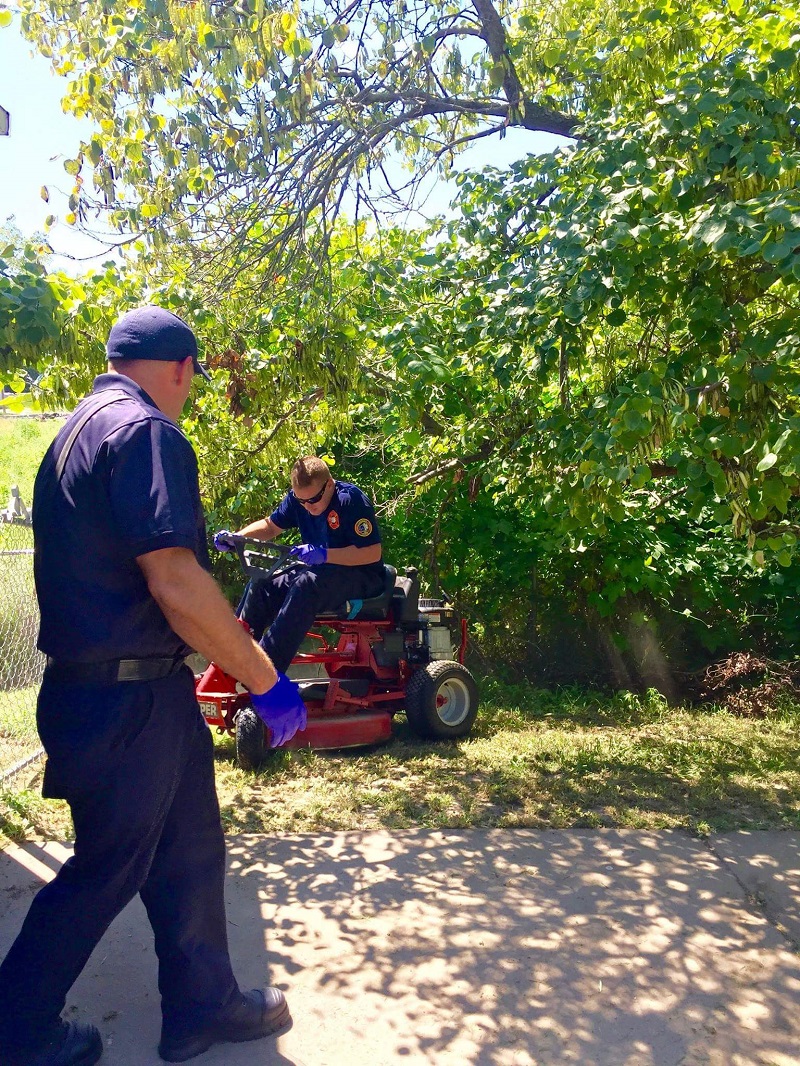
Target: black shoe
{"type": "Point", "coordinates": [73, 1045]}
{"type": "Point", "coordinates": [254, 1015]}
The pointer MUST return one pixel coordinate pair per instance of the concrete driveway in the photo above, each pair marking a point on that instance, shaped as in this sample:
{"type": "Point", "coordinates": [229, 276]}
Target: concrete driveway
{"type": "Point", "coordinates": [495, 947]}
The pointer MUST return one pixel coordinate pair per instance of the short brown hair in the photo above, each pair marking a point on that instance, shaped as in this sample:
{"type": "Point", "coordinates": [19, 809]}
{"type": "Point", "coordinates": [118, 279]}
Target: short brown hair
{"type": "Point", "coordinates": [308, 470]}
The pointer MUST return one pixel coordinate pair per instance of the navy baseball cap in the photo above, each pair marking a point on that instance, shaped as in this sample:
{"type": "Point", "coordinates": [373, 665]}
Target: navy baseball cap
{"type": "Point", "coordinates": [153, 333]}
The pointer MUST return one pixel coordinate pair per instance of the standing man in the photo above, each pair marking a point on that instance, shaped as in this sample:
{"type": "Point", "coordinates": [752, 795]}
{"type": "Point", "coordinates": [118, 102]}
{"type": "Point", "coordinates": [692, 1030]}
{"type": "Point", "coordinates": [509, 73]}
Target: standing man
{"type": "Point", "coordinates": [342, 550]}
{"type": "Point", "coordinates": [122, 578]}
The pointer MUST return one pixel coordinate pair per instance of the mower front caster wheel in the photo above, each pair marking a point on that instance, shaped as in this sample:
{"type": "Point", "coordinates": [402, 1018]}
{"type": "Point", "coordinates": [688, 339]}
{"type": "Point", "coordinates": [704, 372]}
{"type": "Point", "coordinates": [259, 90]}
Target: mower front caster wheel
{"type": "Point", "coordinates": [251, 739]}
{"type": "Point", "coordinates": [442, 701]}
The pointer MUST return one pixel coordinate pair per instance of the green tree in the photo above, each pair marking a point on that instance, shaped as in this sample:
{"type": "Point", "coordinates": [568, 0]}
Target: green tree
{"type": "Point", "coordinates": [581, 387]}
{"type": "Point", "coordinates": [616, 322]}
{"type": "Point", "coordinates": [241, 129]}
{"type": "Point", "coordinates": [31, 312]}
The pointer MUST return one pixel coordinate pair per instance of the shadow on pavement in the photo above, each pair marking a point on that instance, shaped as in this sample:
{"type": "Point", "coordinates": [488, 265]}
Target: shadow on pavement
{"type": "Point", "coordinates": [497, 947]}
{"type": "Point", "coordinates": [485, 947]}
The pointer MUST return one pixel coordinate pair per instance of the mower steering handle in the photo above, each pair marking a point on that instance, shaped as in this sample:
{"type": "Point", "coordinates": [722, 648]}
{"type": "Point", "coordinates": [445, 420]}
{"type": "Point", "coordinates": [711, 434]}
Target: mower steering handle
{"type": "Point", "coordinates": [240, 542]}
{"type": "Point", "coordinates": [260, 559]}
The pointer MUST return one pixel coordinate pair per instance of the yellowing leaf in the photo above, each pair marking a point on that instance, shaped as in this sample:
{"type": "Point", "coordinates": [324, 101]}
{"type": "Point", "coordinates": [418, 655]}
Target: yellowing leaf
{"type": "Point", "coordinates": [769, 460]}
{"type": "Point", "coordinates": [496, 75]}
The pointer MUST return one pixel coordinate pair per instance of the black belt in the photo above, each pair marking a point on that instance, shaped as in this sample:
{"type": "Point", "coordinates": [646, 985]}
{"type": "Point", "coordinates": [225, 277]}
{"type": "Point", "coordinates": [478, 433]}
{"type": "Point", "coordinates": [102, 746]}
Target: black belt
{"type": "Point", "coordinates": [111, 671]}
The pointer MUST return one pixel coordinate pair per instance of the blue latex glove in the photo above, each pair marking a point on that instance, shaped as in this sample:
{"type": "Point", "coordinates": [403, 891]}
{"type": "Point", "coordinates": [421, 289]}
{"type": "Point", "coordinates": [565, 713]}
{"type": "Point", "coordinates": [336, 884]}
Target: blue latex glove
{"type": "Point", "coordinates": [310, 554]}
{"type": "Point", "coordinates": [281, 709]}
{"type": "Point", "coordinates": [222, 542]}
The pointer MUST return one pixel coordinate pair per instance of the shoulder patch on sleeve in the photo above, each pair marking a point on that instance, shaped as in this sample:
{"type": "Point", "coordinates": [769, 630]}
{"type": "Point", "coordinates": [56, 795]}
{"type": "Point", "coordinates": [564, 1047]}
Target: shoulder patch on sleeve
{"type": "Point", "coordinates": [363, 527]}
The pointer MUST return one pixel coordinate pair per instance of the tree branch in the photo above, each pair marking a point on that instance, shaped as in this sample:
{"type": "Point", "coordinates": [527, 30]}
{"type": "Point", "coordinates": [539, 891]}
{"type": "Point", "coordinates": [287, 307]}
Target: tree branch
{"type": "Point", "coordinates": [308, 401]}
{"type": "Point", "coordinates": [495, 36]}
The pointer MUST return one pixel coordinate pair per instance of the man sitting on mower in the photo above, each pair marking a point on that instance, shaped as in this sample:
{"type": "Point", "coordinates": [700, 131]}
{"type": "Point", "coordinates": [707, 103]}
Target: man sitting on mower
{"type": "Point", "coordinates": [341, 549]}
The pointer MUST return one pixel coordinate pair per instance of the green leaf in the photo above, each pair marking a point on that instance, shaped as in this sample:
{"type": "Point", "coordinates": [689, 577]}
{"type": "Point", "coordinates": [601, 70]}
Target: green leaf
{"type": "Point", "coordinates": [776, 252]}
{"type": "Point", "coordinates": [711, 231]}
{"type": "Point", "coordinates": [748, 247]}
{"type": "Point", "coordinates": [551, 56]}
{"type": "Point", "coordinates": [783, 59]}
{"type": "Point", "coordinates": [497, 74]}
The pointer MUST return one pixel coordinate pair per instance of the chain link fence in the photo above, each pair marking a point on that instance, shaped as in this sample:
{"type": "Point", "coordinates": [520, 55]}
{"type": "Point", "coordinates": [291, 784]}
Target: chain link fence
{"type": "Point", "coordinates": [21, 663]}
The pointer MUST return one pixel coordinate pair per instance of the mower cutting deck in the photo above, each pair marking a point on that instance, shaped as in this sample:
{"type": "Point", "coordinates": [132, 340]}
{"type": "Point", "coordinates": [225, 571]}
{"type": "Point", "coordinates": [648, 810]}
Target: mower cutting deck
{"type": "Point", "coordinates": [368, 660]}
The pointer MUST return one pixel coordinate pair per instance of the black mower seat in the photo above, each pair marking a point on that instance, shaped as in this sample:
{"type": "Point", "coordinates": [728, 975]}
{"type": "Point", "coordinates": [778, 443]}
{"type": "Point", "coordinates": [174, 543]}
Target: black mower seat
{"type": "Point", "coordinates": [375, 609]}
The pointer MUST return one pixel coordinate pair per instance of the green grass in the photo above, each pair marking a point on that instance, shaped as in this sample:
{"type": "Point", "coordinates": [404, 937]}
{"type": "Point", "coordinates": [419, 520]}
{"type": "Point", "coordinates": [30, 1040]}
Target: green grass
{"type": "Point", "coordinates": [23, 442]}
{"type": "Point", "coordinates": [20, 663]}
{"type": "Point", "coordinates": [536, 759]}
{"type": "Point", "coordinates": [18, 718]}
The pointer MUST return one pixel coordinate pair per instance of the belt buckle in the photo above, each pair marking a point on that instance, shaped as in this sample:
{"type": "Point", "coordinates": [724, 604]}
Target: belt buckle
{"type": "Point", "coordinates": [127, 670]}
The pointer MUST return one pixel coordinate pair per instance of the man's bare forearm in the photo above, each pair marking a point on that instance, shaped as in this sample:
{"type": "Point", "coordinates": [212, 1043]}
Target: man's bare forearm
{"type": "Point", "coordinates": [196, 609]}
{"type": "Point", "coordinates": [263, 529]}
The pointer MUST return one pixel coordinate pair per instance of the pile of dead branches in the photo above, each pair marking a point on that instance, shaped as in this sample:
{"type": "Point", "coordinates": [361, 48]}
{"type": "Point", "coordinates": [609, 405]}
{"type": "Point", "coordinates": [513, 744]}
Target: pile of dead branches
{"type": "Point", "coordinates": [749, 685]}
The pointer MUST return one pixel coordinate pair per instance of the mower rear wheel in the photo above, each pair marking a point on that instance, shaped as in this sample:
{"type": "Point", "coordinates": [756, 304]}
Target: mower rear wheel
{"type": "Point", "coordinates": [251, 739]}
{"type": "Point", "coordinates": [442, 700]}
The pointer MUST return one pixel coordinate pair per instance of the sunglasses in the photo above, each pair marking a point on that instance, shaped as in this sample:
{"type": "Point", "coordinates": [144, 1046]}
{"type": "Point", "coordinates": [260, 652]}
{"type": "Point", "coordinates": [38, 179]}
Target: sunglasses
{"type": "Point", "coordinates": [310, 499]}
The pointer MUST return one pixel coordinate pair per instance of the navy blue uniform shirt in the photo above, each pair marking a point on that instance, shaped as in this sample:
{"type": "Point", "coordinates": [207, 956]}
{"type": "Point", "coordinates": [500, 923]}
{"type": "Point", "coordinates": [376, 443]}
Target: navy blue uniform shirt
{"type": "Point", "coordinates": [129, 487]}
{"type": "Point", "coordinates": [349, 520]}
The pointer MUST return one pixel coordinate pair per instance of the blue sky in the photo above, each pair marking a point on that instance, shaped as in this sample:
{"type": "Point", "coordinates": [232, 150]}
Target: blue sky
{"type": "Point", "coordinates": [42, 137]}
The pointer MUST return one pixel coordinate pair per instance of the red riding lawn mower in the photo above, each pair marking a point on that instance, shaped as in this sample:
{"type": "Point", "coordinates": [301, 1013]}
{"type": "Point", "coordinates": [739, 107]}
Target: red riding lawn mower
{"type": "Point", "coordinates": [379, 656]}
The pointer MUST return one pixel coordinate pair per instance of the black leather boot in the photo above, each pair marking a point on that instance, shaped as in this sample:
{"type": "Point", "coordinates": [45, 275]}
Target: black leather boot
{"type": "Point", "coordinates": [254, 1015]}
{"type": "Point", "coordinates": [70, 1045]}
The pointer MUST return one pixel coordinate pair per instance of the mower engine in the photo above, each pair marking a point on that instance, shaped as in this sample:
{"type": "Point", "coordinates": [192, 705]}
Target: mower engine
{"type": "Point", "coordinates": [437, 625]}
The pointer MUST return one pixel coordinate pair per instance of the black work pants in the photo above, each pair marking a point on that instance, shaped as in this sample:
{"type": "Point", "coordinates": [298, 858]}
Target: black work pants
{"type": "Point", "coordinates": [135, 763]}
{"type": "Point", "coordinates": [280, 610]}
